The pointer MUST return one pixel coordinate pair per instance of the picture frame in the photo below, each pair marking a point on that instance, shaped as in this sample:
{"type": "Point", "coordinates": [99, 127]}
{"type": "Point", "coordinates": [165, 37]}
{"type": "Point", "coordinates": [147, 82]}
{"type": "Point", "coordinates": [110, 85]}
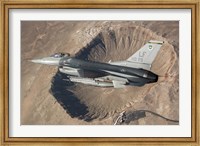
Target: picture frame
{"type": "Point", "coordinates": [111, 4]}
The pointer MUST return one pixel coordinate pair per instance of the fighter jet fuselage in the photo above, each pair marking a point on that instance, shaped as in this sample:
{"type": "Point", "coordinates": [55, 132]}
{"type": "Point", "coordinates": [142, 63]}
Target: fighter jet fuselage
{"type": "Point", "coordinates": [132, 74]}
{"type": "Point", "coordinates": [133, 71]}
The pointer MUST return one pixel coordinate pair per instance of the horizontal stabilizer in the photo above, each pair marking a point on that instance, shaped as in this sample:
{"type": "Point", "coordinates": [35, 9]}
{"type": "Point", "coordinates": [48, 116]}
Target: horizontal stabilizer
{"type": "Point", "coordinates": [139, 84]}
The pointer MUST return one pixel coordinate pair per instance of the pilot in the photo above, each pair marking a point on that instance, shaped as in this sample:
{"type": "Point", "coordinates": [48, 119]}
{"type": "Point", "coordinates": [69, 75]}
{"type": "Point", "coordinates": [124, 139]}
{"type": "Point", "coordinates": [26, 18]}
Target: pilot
{"type": "Point", "coordinates": [59, 55]}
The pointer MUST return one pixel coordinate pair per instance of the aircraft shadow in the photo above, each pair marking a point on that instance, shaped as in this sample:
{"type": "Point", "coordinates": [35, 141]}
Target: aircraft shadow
{"type": "Point", "coordinates": [60, 89]}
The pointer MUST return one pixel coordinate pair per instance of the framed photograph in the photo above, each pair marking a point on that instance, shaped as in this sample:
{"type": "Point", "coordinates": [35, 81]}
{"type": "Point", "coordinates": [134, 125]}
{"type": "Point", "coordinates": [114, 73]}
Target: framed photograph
{"type": "Point", "coordinates": [101, 72]}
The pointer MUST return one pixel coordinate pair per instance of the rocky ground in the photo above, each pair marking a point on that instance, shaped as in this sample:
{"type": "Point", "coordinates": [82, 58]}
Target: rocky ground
{"type": "Point", "coordinates": [47, 98]}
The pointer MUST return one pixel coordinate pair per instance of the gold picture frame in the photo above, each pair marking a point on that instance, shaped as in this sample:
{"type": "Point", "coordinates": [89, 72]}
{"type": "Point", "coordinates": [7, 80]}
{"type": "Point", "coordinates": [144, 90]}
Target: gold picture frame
{"type": "Point", "coordinates": [128, 4]}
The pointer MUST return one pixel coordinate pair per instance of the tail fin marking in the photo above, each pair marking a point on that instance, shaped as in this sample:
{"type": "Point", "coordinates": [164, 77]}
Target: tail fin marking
{"type": "Point", "coordinates": [147, 53]}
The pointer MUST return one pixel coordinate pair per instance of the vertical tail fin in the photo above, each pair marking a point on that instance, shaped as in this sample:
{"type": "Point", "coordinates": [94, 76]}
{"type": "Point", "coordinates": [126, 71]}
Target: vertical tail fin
{"type": "Point", "coordinates": [147, 53]}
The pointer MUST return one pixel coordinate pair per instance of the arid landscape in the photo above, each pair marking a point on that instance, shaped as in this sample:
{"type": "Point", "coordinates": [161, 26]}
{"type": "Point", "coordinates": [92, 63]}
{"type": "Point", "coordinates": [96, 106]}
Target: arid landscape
{"type": "Point", "coordinates": [47, 98]}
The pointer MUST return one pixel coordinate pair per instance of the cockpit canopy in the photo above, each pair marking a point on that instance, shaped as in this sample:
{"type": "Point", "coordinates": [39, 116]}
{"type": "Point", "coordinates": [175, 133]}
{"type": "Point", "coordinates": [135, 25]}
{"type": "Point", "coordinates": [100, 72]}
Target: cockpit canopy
{"type": "Point", "coordinates": [59, 55]}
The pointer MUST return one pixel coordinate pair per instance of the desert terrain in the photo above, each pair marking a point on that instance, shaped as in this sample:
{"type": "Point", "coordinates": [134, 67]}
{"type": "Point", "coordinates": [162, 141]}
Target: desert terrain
{"type": "Point", "coordinates": [48, 99]}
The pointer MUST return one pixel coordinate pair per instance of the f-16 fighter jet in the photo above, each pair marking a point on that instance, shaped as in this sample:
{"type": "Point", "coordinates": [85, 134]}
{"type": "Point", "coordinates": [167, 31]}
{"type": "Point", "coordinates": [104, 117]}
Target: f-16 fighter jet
{"type": "Point", "coordinates": [134, 71]}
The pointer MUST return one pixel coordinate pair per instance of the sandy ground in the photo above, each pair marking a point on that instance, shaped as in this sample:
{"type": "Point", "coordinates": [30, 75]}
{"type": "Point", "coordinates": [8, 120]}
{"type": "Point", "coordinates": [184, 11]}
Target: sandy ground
{"type": "Point", "coordinates": [46, 98]}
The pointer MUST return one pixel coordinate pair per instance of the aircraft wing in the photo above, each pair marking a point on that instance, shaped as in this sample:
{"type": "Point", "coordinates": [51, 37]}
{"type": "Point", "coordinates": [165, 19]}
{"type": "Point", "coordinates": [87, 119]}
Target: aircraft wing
{"type": "Point", "coordinates": [118, 84]}
{"type": "Point", "coordinates": [80, 72]}
{"type": "Point", "coordinates": [131, 64]}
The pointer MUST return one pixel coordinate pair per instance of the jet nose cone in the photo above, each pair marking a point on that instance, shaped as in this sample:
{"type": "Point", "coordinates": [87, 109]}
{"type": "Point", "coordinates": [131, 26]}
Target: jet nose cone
{"type": "Point", "coordinates": [36, 60]}
{"type": "Point", "coordinates": [47, 60]}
